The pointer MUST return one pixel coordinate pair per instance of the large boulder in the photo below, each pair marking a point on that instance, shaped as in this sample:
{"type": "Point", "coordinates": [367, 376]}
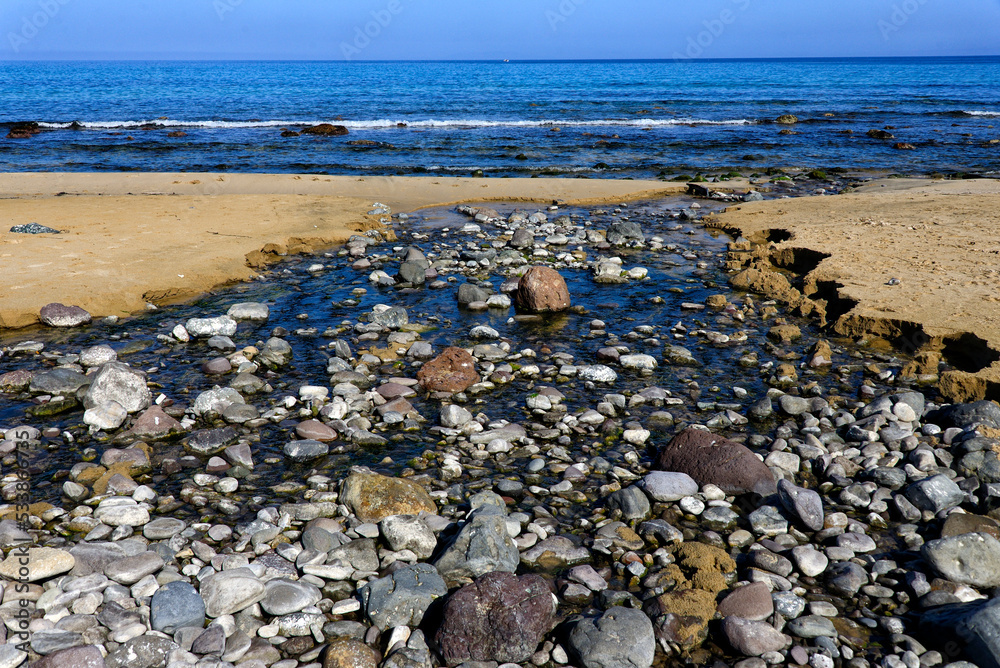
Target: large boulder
{"type": "Point", "coordinates": [711, 459]}
{"type": "Point", "coordinates": [972, 629]}
{"type": "Point", "coordinates": [542, 290]}
{"type": "Point", "coordinates": [454, 370]}
{"type": "Point", "coordinates": [971, 559]}
{"type": "Point", "coordinates": [500, 617]}
{"type": "Point", "coordinates": [118, 382]}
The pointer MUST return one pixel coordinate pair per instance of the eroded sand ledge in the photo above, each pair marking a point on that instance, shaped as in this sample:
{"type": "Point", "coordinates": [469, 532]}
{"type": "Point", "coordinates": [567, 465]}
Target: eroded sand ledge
{"type": "Point", "coordinates": [129, 239]}
{"type": "Point", "coordinates": [939, 239]}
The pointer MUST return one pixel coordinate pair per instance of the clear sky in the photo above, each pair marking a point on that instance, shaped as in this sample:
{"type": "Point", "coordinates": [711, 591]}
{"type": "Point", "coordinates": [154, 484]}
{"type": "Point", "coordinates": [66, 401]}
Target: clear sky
{"type": "Point", "coordinates": [494, 29]}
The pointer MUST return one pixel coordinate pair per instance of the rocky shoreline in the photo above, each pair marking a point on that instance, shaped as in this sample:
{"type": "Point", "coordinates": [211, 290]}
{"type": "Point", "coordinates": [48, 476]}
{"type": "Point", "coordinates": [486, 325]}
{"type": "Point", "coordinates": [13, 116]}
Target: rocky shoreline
{"type": "Point", "coordinates": [556, 484]}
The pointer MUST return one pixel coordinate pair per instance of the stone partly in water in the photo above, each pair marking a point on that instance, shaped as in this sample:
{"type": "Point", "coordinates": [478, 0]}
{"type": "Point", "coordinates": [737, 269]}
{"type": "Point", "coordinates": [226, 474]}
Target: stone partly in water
{"type": "Point", "coordinates": [753, 638]}
{"type": "Point", "coordinates": [542, 290]}
{"type": "Point", "coordinates": [374, 497]}
{"type": "Point", "coordinates": [58, 315]}
{"type": "Point", "coordinates": [454, 370]}
{"type": "Point", "coordinates": [117, 382]}
{"type": "Point", "coordinates": [500, 617]}
{"type": "Point", "coordinates": [711, 459]}
{"type": "Point", "coordinates": [326, 130]}
{"type": "Point", "coordinates": [620, 638]}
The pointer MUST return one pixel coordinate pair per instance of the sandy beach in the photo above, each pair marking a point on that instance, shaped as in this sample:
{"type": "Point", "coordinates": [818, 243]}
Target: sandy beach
{"type": "Point", "coordinates": [132, 239]}
{"type": "Point", "coordinates": [913, 261]}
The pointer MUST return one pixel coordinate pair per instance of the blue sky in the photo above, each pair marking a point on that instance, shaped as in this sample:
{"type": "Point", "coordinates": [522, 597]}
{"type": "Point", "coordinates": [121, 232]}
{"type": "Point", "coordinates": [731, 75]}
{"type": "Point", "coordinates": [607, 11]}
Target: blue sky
{"type": "Point", "coordinates": [494, 29]}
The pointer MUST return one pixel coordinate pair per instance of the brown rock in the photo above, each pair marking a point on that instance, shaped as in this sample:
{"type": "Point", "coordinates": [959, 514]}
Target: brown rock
{"type": "Point", "coordinates": [349, 654]}
{"type": "Point", "coordinates": [20, 134]}
{"type": "Point", "coordinates": [711, 459]}
{"type": "Point", "coordinates": [454, 370]}
{"type": "Point", "coordinates": [962, 523]}
{"type": "Point", "coordinates": [752, 601]}
{"type": "Point", "coordinates": [216, 367]}
{"type": "Point", "coordinates": [768, 283]}
{"type": "Point", "coordinates": [904, 146]}
{"type": "Point", "coordinates": [85, 656]}
{"type": "Point", "coordinates": [542, 290]}
{"type": "Point", "coordinates": [15, 381]}
{"type": "Point", "coordinates": [152, 425]}
{"type": "Point", "coordinates": [784, 333]}
{"type": "Point", "coordinates": [315, 430]}
{"type": "Point", "coordinates": [500, 617]}
{"type": "Point", "coordinates": [374, 497]}
{"type": "Point", "coordinates": [326, 130]}
{"type": "Point", "coordinates": [290, 133]}
{"type": "Point", "coordinates": [177, 133]}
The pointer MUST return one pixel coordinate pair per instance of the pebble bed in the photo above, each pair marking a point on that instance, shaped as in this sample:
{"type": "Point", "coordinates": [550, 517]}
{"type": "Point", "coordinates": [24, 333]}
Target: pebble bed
{"type": "Point", "coordinates": [280, 474]}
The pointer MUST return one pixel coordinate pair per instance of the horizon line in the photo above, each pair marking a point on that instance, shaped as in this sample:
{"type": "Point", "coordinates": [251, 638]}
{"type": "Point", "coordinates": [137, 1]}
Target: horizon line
{"type": "Point", "coordinates": [494, 60]}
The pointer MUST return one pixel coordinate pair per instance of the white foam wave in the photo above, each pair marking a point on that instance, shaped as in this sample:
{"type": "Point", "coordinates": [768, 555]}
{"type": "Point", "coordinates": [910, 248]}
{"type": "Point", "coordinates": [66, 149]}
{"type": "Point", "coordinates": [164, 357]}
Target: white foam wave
{"type": "Point", "coordinates": [987, 114]}
{"type": "Point", "coordinates": [389, 123]}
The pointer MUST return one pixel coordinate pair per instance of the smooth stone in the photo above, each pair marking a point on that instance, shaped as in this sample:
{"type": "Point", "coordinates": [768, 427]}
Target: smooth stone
{"type": "Point", "coordinates": [669, 486]}
{"type": "Point", "coordinates": [620, 638]}
{"type": "Point", "coordinates": [753, 637]}
{"type": "Point", "coordinates": [283, 597]}
{"type": "Point", "coordinates": [752, 601]}
{"type": "Point", "coordinates": [176, 605]}
{"type": "Point", "coordinates": [804, 504]}
{"type": "Point", "coordinates": [43, 563]}
{"type": "Point", "coordinates": [972, 559]}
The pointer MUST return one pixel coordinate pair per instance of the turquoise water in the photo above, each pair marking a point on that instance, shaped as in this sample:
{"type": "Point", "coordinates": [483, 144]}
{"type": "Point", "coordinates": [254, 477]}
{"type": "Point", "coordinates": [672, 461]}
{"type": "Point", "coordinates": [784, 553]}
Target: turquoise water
{"type": "Point", "coordinates": [598, 119]}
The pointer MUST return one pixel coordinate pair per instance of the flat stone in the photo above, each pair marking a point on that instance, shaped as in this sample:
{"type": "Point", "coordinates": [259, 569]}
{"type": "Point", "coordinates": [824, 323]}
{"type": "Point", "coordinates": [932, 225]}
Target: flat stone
{"type": "Point", "coordinates": [121, 511]}
{"type": "Point", "coordinates": [229, 592]}
{"type": "Point", "coordinates": [306, 450]}
{"type": "Point", "coordinates": [146, 651]}
{"type": "Point", "coordinates": [83, 656]}
{"type": "Point", "coordinates": [753, 638]}
{"type": "Point", "coordinates": [43, 563]}
{"type": "Point", "coordinates": [162, 528]}
{"type": "Point", "coordinates": [283, 597]}
{"type": "Point", "coordinates": [249, 311]}
{"type": "Point", "coordinates": [669, 486]}
{"type": "Point", "coordinates": [129, 570]}
{"type": "Point", "coordinates": [811, 626]}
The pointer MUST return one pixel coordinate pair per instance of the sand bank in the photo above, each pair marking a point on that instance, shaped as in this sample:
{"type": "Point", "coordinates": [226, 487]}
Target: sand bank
{"type": "Point", "coordinates": [132, 239]}
{"type": "Point", "coordinates": [913, 261]}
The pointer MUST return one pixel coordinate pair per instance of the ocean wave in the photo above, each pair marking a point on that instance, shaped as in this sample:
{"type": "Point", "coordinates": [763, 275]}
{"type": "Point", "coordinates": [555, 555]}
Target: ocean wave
{"type": "Point", "coordinates": [987, 114]}
{"type": "Point", "coordinates": [389, 123]}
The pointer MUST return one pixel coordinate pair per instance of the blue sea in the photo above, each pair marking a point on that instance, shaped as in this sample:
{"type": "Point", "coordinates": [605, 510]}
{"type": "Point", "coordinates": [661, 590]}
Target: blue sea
{"type": "Point", "coordinates": [605, 119]}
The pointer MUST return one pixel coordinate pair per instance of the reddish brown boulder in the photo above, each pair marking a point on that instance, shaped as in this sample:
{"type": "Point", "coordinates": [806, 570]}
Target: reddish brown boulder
{"type": "Point", "coordinates": [454, 370]}
{"type": "Point", "coordinates": [326, 130]}
{"type": "Point", "coordinates": [177, 133]}
{"type": "Point", "coordinates": [542, 289]}
{"type": "Point", "coordinates": [500, 617]}
{"type": "Point", "coordinates": [154, 424]}
{"type": "Point", "coordinates": [711, 459]}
